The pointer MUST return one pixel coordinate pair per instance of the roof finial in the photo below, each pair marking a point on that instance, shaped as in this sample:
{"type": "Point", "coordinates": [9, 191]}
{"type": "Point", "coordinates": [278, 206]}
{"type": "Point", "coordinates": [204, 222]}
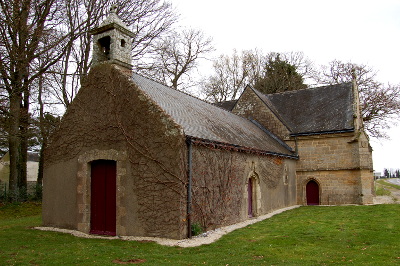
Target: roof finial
{"type": "Point", "coordinates": [353, 74]}
{"type": "Point", "coordinates": [113, 9]}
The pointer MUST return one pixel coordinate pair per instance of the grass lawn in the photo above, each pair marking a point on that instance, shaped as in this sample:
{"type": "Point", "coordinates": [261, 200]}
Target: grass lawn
{"type": "Point", "coordinates": [305, 236]}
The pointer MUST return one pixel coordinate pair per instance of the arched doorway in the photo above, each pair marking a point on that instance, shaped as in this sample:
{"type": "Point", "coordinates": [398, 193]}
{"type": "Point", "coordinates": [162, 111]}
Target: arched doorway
{"type": "Point", "coordinates": [103, 197]}
{"type": "Point", "coordinates": [312, 193]}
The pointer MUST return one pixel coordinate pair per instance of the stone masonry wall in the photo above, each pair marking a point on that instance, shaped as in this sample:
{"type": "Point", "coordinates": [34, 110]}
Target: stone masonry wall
{"type": "Point", "coordinates": [325, 152]}
{"type": "Point", "coordinates": [120, 48]}
{"type": "Point", "coordinates": [112, 119]}
{"type": "Point", "coordinates": [366, 165]}
{"type": "Point", "coordinates": [250, 105]}
{"type": "Point", "coordinates": [220, 185]}
{"type": "Point", "coordinates": [340, 163]}
{"type": "Point", "coordinates": [336, 187]}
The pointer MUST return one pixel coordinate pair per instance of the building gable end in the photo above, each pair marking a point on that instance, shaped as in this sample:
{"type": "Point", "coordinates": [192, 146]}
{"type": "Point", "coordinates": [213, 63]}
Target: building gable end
{"type": "Point", "coordinates": [250, 105]}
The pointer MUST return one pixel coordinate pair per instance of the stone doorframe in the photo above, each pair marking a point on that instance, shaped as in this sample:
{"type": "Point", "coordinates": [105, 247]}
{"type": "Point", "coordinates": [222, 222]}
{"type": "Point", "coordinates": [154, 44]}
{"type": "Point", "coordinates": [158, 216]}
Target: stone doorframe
{"type": "Point", "coordinates": [84, 186]}
{"type": "Point", "coordinates": [256, 193]}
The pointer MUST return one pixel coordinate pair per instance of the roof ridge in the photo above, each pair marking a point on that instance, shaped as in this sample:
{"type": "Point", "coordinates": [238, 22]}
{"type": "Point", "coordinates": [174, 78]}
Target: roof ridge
{"type": "Point", "coordinates": [309, 88]}
{"type": "Point", "coordinates": [328, 107]}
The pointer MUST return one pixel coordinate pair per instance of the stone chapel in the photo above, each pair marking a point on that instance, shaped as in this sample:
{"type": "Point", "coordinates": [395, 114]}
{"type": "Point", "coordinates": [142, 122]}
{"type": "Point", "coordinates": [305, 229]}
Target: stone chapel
{"type": "Point", "coordinates": [135, 157]}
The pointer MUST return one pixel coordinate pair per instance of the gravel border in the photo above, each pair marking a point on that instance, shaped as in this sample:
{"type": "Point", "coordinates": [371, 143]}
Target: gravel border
{"type": "Point", "coordinates": [202, 239]}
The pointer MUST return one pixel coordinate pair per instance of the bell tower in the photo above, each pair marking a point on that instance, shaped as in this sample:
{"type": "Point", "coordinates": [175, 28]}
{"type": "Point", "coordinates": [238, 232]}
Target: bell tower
{"type": "Point", "coordinates": [112, 42]}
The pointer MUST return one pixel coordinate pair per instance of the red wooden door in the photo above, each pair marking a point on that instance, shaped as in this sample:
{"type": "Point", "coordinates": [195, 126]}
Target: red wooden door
{"type": "Point", "coordinates": [250, 198]}
{"type": "Point", "coordinates": [312, 193]}
{"type": "Point", "coordinates": [103, 198]}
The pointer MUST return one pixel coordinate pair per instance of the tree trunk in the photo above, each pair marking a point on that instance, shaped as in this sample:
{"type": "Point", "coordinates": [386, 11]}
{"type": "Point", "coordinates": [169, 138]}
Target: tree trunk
{"type": "Point", "coordinates": [14, 143]}
{"type": "Point", "coordinates": [24, 131]}
{"type": "Point", "coordinates": [43, 135]}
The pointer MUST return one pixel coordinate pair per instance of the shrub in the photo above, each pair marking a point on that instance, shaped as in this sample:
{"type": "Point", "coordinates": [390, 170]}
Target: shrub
{"type": "Point", "coordinates": [196, 229]}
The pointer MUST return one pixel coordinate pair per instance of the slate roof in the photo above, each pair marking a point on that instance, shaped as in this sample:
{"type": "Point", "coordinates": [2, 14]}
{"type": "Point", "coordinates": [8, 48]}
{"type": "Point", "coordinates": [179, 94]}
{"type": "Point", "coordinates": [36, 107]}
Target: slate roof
{"type": "Point", "coordinates": [227, 105]}
{"type": "Point", "coordinates": [202, 120]}
{"type": "Point", "coordinates": [322, 109]}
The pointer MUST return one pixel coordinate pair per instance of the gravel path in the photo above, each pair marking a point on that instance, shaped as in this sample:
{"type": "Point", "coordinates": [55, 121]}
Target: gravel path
{"type": "Point", "coordinates": [205, 238]}
{"type": "Point", "coordinates": [210, 236]}
{"type": "Point", "coordinates": [392, 199]}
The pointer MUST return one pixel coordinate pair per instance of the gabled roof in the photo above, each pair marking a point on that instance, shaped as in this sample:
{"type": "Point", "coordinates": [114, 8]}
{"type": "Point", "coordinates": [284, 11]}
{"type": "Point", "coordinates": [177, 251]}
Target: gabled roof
{"type": "Point", "coordinates": [326, 109]}
{"type": "Point", "coordinates": [322, 109]}
{"type": "Point", "coordinates": [202, 120]}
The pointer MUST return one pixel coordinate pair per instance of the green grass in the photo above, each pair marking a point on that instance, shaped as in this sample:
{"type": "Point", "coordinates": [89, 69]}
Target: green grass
{"type": "Point", "coordinates": [381, 190]}
{"type": "Point", "coordinates": [314, 235]}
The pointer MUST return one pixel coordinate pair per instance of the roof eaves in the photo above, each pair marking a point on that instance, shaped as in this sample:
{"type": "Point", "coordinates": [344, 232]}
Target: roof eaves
{"type": "Point", "coordinates": [232, 147]}
{"type": "Point", "coordinates": [322, 132]}
{"type": "Point", "coordinates": [281, 142]}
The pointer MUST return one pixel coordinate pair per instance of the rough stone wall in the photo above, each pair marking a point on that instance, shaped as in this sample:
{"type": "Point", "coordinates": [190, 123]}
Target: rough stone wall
{"type": "Point", "coordinates": [250, 105]}
{"type": "Point", "coordinates": [59, 203]}
{"type": "Point", "coordinates": [336, 186]}
{"type": "Point", "coordinates": [111, 114]}
{"type": "Point", "coordinates": [220, 177]}
{"type": "Point", "coordinates": [120, 48]}
{"type": "Point", "coordinates": [340, 163]}
{"type": "Point", "coordinates": [326, 152]}
{"type": "Point", "coordinates": [366, 169]}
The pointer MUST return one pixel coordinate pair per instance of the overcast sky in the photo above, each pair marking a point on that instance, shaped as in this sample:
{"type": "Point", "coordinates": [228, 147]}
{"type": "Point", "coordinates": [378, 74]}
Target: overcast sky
{"type": "Point", "coordinates": [362, 32]}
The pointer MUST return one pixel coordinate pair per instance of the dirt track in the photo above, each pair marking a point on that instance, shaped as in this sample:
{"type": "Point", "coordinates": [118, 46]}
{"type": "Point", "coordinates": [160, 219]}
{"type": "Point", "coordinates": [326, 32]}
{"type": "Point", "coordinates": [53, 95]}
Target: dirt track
{"type": "Point", "coordinates": [393, 198]}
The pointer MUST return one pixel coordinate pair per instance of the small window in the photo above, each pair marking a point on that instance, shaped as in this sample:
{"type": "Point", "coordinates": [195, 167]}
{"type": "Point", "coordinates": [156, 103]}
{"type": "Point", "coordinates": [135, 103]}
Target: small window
{"type": "Point", "coordinates": [122, 43]}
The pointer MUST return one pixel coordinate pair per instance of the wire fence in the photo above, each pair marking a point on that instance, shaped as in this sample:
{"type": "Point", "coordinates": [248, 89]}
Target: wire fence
{"type": "Point", "coordinates": [33, 192]}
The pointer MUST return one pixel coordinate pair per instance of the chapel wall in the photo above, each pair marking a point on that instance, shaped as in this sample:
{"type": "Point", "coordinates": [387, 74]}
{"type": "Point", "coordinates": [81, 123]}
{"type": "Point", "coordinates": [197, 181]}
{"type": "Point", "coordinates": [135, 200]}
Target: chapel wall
{"type": "Point", "coordinates": [327, 152]}
{"type": "Point", "coordinates": [337, 187]}
{"type": "Point", "coordinates": [251, 106]}
{"type": "Point", "coordinates": [220, 185]}
{"type": "Point", "coordinates": [147, 145]}
{"type": "Point", "coordinates": [59, 203]}
{"type": "Point", "coordinates": [340, 163]}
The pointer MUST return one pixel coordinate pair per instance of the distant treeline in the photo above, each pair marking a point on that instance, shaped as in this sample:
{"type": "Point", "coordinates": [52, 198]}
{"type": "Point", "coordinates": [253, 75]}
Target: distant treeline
{"type": "Point", "coordinates": [391, 173]}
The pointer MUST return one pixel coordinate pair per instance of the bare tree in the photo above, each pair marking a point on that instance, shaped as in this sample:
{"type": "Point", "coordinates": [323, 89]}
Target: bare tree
{"type": "Point", "coordinates": [231, 74]}
{"type": "Point", "coordinates": [23, 26]}
{"type": "Point", "coordinates": [50, 39]}
{"type": "Point", "coordinates": [304, 66]}
{"type": "Point", "coordinates": [177, 55]}
{"type": "Point", "coordinates": [380, 103]}
{"type": "Point", "coordinates": [4, 107]}
{"type": "Point", "coordinates": [150, 20]}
